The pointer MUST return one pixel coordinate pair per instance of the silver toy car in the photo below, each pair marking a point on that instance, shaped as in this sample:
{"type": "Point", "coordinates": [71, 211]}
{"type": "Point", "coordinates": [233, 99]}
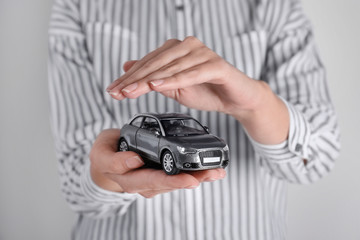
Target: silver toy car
{"type": "Point", "coordinates": [176, 141]}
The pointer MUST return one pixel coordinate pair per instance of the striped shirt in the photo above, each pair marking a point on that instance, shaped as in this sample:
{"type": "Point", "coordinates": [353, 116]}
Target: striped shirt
{"type": "Point", "coordinates": [269, 40]}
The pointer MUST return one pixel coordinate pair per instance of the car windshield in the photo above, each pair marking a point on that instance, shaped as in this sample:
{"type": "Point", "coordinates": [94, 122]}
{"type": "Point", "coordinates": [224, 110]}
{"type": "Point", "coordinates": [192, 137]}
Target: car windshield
{"type": "Point", "coordinates": [182, 127]}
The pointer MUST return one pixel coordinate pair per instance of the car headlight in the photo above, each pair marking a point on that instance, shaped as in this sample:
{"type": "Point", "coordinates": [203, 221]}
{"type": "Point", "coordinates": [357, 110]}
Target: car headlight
{"type": "Point", "coordinates": [184, 150]}
{"type": "Point", "coordinates": [226, 148]}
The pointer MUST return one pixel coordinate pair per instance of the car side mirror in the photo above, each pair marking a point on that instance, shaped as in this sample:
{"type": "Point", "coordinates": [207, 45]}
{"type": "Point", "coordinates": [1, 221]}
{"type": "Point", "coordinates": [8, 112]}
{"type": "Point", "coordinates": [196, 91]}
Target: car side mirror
{"type": "Point", "coordinates": [206, 129]}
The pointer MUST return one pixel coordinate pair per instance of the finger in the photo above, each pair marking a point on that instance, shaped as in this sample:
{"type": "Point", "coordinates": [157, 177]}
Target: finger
{"type": "Point", "coordinates": [106, 159]}
{"type": "Point", "coordinates": [150, 179]}
{"type": "Point", "coordinates": [194, 58]}
{"type": "Point", "coordinates": [153, 193]}
{"type": "Point", "coordinates": [201, 176]}
{"type": "Point", "coordinates": [189, 69]}
{"type": "Point", "coordinates": [122, 162]}
{"type": "Point", "coordinates": [175, 51]}
{"type": "Point", "coordinates": [205, 72]}
{"type": "Point", "coordinates": [209, 175]}
{"type": "Point", "coordinates": [116, 163]}
{"type": "Point", "coordinates": [128, 65]}
{"type": "Point", "coordinates": [140, 63]}
{"type": "Point", "coordinates": [162, 59]}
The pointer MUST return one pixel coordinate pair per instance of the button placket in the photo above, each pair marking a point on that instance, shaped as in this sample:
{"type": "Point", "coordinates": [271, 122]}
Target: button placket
{"type": "Point", "coordinates": [183, 12]}
{"type": "Point", "coordinates": [180, 18]}
{"type": "Point", "coordinates": [183, 22]}
{"type": "Point", "coordinates": [179, 5]}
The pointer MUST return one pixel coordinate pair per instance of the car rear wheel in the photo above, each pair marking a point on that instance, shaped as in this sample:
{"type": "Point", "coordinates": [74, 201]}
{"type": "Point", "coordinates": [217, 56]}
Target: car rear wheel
{"type": "Point", "coordinates": [168, 163]}
{"type": "Point", "coordinates": [123, 146]}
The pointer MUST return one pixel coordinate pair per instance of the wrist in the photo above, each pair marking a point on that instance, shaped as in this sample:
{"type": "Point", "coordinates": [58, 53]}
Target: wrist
{"type": "Point", "coordinates": [266, 119]}
{"type": "Point", "coordinates": [256, 104]}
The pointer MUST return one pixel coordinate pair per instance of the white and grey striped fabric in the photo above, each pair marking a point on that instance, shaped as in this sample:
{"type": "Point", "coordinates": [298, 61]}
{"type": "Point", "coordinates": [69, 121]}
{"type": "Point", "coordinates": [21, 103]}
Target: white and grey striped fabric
{"type": "Point", "coordinates": [269, 40]}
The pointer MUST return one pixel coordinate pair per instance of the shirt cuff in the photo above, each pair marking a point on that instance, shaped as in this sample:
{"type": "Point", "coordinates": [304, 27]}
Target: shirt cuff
{"type": "Point", "coordinates": [98, 195]}
{"type": "Point", "coordinates": [295, 147]}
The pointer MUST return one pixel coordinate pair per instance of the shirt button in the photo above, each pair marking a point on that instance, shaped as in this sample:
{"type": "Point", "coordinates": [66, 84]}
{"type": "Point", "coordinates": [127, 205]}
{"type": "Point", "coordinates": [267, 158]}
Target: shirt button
{"type": "Point", "coordinates": [180, 8]}
{"type": "Point", "coordinates": [298, 147]}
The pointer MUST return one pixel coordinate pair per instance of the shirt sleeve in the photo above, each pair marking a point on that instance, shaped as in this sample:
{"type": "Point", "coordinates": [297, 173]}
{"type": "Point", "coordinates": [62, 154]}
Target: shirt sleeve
{"type": "Point", "coordinates": [78, 114]}
{"type": "Point", "coordinates": [295, 72]}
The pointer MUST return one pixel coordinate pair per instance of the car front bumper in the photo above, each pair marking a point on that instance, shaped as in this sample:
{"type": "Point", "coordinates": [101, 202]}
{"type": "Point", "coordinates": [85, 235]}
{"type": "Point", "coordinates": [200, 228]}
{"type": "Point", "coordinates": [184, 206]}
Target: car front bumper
{"type": "Point", "coordinates": [203, 159]}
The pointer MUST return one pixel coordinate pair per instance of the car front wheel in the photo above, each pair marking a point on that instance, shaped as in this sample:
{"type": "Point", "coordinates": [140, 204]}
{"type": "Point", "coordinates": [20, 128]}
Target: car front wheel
{"type": "Point", "coordinates": [123, 146]}
{"type": "Point", "coordinates": [168, 163]}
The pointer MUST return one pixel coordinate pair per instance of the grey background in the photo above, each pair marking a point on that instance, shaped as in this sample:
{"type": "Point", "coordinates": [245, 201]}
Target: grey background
{"type": "Point", "coordinates": [31, 205]}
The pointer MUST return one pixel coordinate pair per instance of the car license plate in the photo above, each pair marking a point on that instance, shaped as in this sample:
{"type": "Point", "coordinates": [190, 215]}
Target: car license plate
{"type": "Point", "coordinates": [211, 159]}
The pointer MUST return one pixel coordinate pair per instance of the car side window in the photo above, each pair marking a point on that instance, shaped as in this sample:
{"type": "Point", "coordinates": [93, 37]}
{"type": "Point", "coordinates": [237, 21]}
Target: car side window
{"type": "Point", "coordinates": [151, 124]}
{"type": "Point", "coordinates": [137, 121]}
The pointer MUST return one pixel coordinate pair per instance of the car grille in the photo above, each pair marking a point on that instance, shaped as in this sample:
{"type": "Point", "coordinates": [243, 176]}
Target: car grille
{"type": "Point", "coordinates": [212, 154]}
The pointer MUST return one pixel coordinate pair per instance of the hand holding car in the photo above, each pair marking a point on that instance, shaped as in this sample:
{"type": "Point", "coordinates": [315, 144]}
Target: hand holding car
{"type": "Point", "coordinates": [121, 172]}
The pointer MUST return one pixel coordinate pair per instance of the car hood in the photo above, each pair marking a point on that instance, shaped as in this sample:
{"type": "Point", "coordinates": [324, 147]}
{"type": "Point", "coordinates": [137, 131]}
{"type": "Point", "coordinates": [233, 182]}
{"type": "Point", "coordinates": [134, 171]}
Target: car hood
{"type": "Point", "coordinates": [198, 141]}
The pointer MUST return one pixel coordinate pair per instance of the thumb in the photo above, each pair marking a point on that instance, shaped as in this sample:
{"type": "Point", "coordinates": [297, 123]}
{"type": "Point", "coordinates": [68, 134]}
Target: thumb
{"type": "Point", "coordinates": [123, 162]}
{"type": "Point", "coordinates": [105, 158]}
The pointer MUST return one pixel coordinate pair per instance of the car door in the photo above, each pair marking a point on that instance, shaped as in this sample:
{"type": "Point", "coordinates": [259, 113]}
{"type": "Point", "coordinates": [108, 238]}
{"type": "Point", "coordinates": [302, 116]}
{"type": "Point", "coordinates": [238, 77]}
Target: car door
{"type": "Point", "coordinates": [131, 130]}
{"type": "Point", "coordinates": [147, 141]}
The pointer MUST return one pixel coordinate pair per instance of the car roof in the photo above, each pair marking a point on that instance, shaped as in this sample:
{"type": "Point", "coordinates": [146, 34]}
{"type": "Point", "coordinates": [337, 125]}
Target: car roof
{"type": "Point", "coordinates": [162, 116]}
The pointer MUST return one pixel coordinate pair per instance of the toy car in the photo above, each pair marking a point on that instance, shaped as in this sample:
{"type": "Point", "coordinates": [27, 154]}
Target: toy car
{"type": "Point", "coordinates": [176, 141]}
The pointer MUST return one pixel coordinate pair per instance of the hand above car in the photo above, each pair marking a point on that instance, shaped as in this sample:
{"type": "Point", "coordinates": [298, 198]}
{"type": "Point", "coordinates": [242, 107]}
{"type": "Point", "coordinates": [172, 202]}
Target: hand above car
{"type": "Point", "coordinates": [187, 70]}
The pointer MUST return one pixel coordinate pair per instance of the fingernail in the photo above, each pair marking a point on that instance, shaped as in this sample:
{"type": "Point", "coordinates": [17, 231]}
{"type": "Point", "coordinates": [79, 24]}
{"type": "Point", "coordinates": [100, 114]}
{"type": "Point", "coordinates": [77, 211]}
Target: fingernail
{"type": "Point", "coordinates": [210, 179]}
{"type": "Point", "coordinates": [114, 93]}
{"type": "Point", "coordinates": [192, 187]}
{"type": "Point", "coordinates": [134, 162]}
{"type": "Point", "coordinates": [117, 95]}
{"type": "Point", "coordinates": [130, 88]}
{"type": "Point", "coordinates": [157, 82]}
